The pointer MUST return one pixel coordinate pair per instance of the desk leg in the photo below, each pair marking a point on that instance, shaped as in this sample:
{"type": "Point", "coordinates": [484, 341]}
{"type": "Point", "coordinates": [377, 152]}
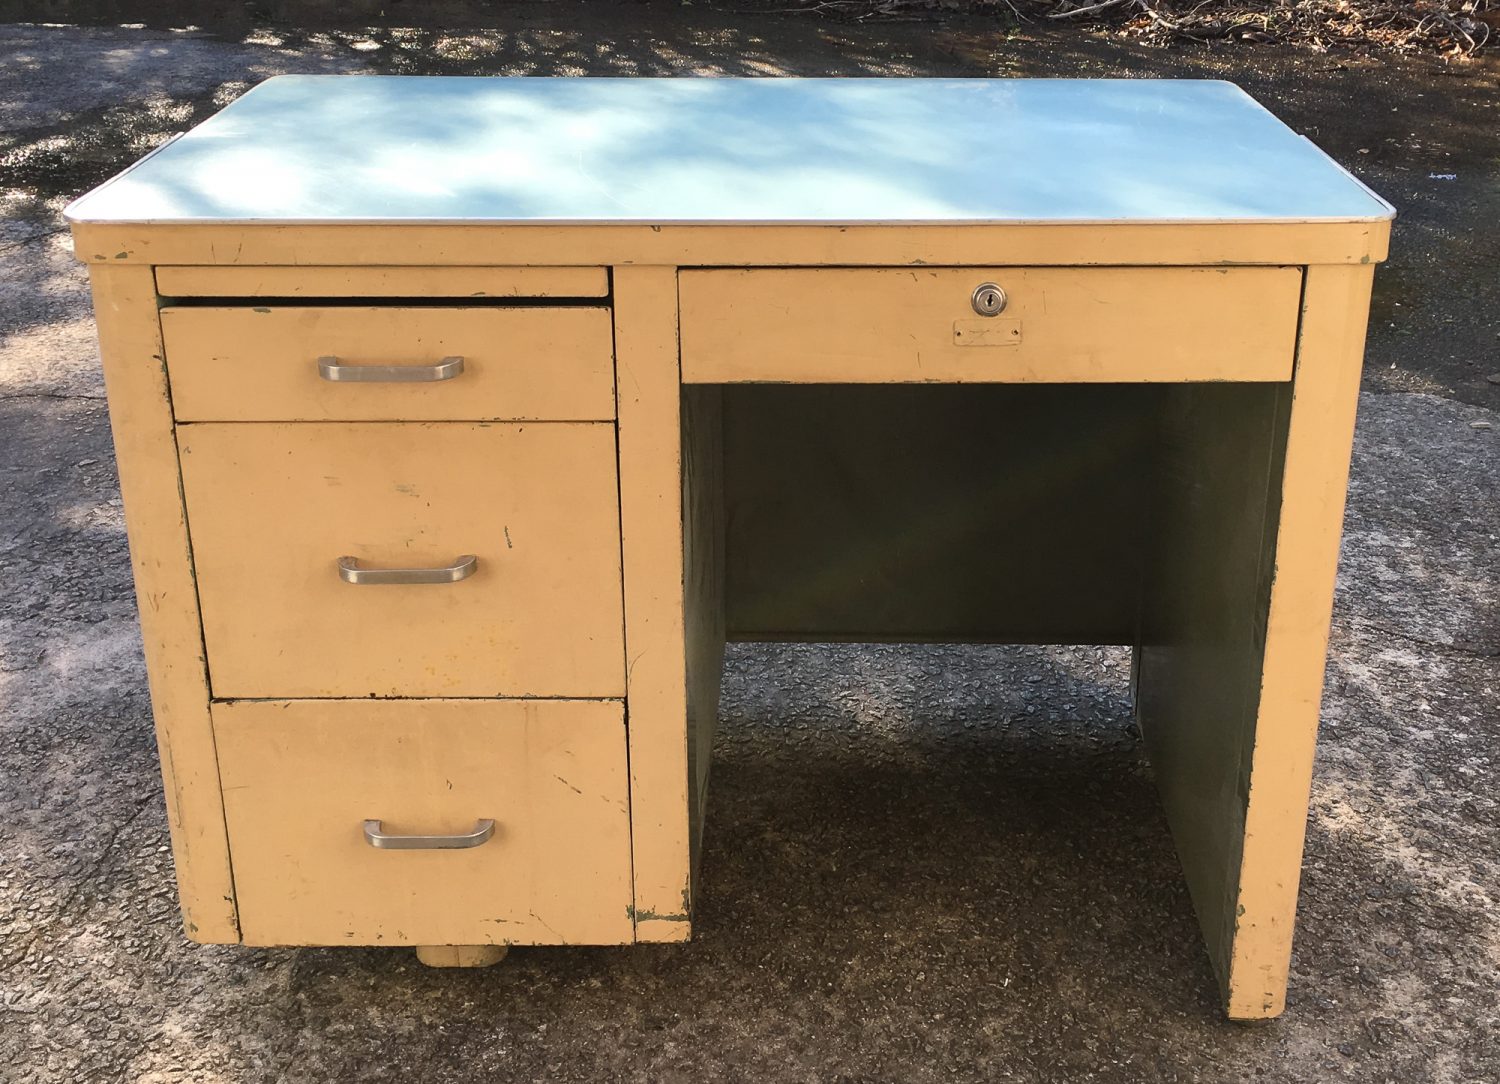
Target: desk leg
{"type": "Point", "coordinates": [651, 527]}
{"type": "Point", "coordinates": [1229, 706]}
{"type": "Point", "coordinates": [140, 410]}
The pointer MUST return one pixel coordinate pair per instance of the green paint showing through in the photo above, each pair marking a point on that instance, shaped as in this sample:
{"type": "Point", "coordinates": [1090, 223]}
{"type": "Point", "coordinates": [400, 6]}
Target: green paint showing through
{"type": "Point", "coordinates": [651, 916]}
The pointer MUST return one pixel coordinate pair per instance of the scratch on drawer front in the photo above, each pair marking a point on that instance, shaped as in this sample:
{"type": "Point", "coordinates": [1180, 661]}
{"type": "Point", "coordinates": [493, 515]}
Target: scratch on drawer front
{"type": "Point", "coordinates": [560, 939]}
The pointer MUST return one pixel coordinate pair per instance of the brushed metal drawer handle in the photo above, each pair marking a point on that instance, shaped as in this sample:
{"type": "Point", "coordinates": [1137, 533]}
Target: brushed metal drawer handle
{"type": "Point", "coordinates": [378, 839]}
{"type": "Point", "coordinates": [330, 369]}
{"type": "Point", "coordinates": [461, 569]}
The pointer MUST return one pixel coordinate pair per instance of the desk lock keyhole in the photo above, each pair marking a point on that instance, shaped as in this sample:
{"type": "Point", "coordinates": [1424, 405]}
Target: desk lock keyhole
{"type": "Point", "coordinates": [988, 299]}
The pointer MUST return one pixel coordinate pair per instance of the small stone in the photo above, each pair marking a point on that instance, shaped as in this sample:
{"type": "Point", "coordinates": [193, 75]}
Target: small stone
{"type": "Point", "coordinates": [1493, 378]}
{"type": "Point", "coordinates": [1480, 425]}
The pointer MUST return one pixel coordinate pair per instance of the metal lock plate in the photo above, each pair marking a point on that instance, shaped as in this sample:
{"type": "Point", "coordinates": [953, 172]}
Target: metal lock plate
{"type": "Point", "coordinates": [988, 299]}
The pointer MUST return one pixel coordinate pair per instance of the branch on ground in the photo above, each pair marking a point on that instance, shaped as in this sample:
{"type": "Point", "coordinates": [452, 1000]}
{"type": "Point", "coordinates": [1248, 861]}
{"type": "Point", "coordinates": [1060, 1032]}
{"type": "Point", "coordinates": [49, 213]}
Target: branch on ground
{"type": "Point", "coordinates": [1448, 27]}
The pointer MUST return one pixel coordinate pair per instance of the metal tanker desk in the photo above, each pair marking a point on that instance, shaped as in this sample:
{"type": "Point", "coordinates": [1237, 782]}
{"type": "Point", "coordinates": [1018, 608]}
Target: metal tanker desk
{"type": "Point", "coordinates": [461, 421]}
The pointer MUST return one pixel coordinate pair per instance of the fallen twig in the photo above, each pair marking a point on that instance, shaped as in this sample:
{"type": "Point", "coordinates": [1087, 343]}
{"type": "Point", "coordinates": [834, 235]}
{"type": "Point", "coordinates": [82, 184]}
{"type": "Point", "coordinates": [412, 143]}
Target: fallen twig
{"type": "Point", "coordinates": [1455, 27]}
{"type": "Point", "coordinates": [1090, 10]}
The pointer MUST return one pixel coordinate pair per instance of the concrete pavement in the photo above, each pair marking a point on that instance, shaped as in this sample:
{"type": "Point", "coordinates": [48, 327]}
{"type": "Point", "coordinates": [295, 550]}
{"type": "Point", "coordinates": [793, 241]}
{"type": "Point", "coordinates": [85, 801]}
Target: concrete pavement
{"type": "Point", "coordinates": [922, 864]}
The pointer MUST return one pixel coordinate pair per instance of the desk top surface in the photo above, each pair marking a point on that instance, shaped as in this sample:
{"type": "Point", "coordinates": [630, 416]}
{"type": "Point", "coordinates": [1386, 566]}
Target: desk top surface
{"type": "Point", "coordinates": [337, 149]}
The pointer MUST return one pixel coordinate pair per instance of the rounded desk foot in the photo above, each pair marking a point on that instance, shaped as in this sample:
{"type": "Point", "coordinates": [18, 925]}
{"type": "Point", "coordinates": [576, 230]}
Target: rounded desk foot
{"type": "Point", "coordinates": [460, 955]}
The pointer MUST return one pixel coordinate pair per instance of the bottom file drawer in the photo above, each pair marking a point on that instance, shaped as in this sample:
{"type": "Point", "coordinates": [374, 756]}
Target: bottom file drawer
{"type": "Point", "coordinates": [302, 777]}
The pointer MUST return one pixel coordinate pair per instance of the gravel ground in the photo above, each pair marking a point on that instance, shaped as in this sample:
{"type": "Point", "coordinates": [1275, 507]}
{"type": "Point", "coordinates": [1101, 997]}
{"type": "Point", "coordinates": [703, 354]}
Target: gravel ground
{"type": "Point", "coordinates": [923, 863]}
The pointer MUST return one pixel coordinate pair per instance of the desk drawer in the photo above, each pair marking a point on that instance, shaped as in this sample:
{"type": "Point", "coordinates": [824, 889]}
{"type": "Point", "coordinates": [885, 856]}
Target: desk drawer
{"type": "Point", "coordinates": [1059, 325]}
{"type": "Point", "coordinates": [301, 778]}
{"type": "Point", "coordinates": [272, 509]}
{"type": "Point", "coordinates": [265, 363]}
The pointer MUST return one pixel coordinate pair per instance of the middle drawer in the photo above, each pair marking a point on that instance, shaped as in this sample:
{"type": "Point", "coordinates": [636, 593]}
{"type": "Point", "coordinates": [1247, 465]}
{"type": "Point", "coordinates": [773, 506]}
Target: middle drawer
{"type": "Point", "coordinates": [512, 532]}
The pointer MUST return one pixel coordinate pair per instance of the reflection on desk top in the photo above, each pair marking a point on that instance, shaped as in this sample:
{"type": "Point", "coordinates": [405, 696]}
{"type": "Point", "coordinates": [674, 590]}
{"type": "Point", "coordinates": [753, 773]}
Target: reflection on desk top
{"type": "Point", "coordinates": [334, 149]}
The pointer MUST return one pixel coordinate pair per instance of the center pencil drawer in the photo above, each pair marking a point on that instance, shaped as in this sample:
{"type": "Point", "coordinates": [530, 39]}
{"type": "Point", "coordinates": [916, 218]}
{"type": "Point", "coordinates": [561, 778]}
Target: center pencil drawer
{"type": "Point", "coordinates": [989, 324]}
{"type": "Point", "coordinates": [513, 529]}
{"type": "Point", "coordinates": [389, 362]}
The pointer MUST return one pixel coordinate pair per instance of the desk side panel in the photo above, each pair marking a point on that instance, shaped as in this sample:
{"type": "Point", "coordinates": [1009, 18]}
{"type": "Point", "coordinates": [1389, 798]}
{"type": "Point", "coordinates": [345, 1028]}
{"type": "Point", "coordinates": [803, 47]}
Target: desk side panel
{"type": "Point", "coordinates": [1230, 672]}
{"type": "Point", "coordinates": [140, 412]}
{"type": "Point", "coordinates": [1335, 314]}
{"type": "Point", "coordinates": [1203, 632]}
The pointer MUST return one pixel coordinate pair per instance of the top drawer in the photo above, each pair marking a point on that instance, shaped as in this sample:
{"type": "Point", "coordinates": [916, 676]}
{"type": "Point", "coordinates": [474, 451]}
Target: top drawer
{"type": "Point", "coordinates": [294, 363]}
{"type": "Point", "coordinates": [1058, 325]}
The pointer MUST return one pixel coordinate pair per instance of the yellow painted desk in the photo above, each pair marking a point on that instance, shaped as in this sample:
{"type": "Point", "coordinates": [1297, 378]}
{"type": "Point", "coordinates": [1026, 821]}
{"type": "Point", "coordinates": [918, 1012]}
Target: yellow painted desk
{"type": "Point", "coordinates": [461, 422]}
